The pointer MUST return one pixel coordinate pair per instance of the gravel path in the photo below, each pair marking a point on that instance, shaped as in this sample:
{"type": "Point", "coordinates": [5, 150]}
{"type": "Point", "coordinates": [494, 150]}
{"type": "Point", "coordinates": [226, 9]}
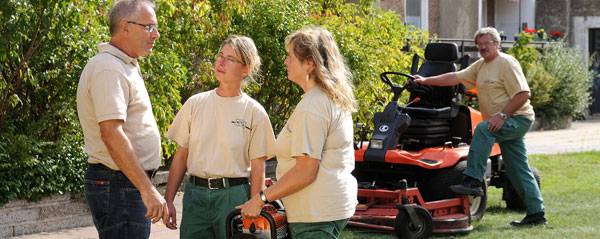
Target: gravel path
{"type": "Point", "coordinates": [581, 136]}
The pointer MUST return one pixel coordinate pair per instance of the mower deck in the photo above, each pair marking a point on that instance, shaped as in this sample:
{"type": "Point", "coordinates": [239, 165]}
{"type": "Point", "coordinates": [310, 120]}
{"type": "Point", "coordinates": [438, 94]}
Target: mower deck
{"type": "Point", "coordinates": [382, 209]}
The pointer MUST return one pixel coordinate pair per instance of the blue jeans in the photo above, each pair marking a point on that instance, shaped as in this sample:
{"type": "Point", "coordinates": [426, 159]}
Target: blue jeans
{"type": "Point", "coordinates": [323, 230]}
{"type": "Point", "coordinates": [511, 138]}
{"type": "Point", "coordinates": [116, 205]}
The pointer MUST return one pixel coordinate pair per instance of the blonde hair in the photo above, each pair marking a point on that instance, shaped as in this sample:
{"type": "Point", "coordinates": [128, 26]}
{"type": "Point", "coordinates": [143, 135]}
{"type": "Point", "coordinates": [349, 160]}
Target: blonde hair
{"type": "Point", "coordinates": [245, 49]}
{"type": "Point", "coordinates": [488, 31]}
{"type": "Point", "coordinates": [330, 71]}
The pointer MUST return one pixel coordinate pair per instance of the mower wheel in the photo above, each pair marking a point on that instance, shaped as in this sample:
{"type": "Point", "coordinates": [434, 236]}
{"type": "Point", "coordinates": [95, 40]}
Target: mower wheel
{"type": "Point", "coordinates": [510, 195]}
{"type": "Point", "coordinates": [478, 204]}
{"type": "Point", "coordinates": [406, 229]}
{"type": "Point", "coordinates": [437, 186]}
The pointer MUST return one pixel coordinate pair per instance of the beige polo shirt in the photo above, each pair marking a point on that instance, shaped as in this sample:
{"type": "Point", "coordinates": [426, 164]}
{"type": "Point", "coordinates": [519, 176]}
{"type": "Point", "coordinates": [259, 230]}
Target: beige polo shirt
{"type": "Point", "coordinates": [497, 82]}
{"type": "Point", "coordinates": [111, 87]}
{"type": "Point", "coordinates": [319, 128]}
{"type": "Point", "coordinates": [222, 134]}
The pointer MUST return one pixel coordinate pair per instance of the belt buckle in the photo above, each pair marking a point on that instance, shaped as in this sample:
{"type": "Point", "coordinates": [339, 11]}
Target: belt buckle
{"type": "Point", "coordinates": [210, 180]}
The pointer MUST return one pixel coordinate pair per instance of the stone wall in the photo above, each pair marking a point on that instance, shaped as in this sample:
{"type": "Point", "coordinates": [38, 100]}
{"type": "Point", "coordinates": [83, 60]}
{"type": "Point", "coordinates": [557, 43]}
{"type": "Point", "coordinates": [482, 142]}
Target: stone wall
{"type": "Point", "coordinates": [562, 15]}
{"type": "Point", "coordinates": [552, 15]}
{"type": "Point", "coordinates": [63, 211]}
{"type": "Point", "coordinates": [54, 213]}
{"type": "Point", "coordinates": [270, 168]}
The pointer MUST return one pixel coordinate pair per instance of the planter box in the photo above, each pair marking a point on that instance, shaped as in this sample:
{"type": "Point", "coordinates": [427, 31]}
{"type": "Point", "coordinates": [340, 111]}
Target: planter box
{"type": "Point", "coordinates": [544, 124]}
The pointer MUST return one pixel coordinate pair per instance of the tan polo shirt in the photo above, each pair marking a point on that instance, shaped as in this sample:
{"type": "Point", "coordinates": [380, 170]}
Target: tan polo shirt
{"type": "Point", "coordinates": [111, 87]}
{"type": "Point", "coordinates": [497, 82]}
{"type": "Point", "coordinates": [319, 128]}
{"type": "Point", "coordinates": [222, 134]}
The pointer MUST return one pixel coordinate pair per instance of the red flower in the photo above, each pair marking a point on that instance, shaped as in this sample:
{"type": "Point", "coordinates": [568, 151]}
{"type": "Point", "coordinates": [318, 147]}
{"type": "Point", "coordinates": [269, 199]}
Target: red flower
{"type": "Point", "coordinates": [528, 30]}
{"type": "Point", "coordinates": [556, 33]}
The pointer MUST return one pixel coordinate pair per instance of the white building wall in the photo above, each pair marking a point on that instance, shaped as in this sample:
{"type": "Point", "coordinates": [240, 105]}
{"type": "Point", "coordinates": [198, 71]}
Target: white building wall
{"type": "Point", "coordinates": [581, 30]}
{"type": "Point", "coordinates": [507, 16]}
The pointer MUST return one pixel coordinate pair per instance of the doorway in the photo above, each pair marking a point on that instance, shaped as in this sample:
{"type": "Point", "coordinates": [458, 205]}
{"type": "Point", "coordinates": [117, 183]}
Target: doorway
{"type": "Point", "coordinates": [594, 51]}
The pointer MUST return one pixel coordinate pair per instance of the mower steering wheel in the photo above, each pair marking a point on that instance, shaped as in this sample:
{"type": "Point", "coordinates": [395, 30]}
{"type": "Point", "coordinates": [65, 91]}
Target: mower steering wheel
{"type": "Point", "coordinates": [396, 89]}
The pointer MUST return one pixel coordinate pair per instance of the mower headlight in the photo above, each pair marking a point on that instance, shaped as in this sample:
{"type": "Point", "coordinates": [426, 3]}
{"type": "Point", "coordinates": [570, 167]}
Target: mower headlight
{"type": "Point", "coordinates": [376, 144]}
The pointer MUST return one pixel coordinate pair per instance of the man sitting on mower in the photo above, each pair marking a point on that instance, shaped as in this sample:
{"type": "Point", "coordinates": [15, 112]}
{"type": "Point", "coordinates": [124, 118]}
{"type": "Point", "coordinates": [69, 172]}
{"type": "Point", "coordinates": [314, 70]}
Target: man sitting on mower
{"type": "Point", "coordinates": [508, 115]}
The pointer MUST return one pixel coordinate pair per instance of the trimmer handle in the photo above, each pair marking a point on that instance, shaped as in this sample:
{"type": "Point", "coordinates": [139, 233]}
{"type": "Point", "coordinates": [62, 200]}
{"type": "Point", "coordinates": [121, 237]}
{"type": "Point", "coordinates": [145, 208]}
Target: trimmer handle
{"type": "Point", "coordinates": [237, 215]}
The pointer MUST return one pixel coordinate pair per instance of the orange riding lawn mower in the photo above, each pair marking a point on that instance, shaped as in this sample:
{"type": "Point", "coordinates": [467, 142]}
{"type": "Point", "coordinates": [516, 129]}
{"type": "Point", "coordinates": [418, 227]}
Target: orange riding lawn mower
{"type": "Point", "coordinates": [417, 151]}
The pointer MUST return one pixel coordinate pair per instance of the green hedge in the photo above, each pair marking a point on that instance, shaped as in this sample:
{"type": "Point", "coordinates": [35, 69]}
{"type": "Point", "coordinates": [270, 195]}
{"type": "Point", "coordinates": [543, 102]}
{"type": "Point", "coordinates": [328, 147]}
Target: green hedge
{"type": "Point", "coordinates": [45, 45]}
{"type": "Point", "coordinates": [32, 169]}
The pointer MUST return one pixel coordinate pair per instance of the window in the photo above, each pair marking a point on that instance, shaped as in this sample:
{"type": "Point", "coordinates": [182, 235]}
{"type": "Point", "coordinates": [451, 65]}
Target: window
{"type": "Point", "coordinates": [417, 13]}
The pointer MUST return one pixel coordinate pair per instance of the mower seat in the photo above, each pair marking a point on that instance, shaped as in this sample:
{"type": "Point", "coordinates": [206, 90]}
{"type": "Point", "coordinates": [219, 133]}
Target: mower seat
{"type": "Point", "coordinates": [430, 117]}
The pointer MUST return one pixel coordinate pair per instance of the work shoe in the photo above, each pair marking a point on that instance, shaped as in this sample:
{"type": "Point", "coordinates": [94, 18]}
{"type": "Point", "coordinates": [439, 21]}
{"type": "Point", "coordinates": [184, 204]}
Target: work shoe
{"type": "Point", "coordinates": [531, 220]}
{"type": "Point", "coordinates": [470, 186]}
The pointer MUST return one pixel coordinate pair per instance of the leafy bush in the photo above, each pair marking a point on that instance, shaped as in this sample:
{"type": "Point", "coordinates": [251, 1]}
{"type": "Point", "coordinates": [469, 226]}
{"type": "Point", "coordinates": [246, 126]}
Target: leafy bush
{"type": "Point", "coordinates": [373, 41]}
{"type": "Point", "coordinates": [540, 81]}
{"type": "Point", "coordinates": [32, 169]}
{"type": "Point", "coordinates": [370, 39]}
{"type": "Point", "coordinates": [558, 77]}
{"type": "Point", "coordinates": [571, 95]}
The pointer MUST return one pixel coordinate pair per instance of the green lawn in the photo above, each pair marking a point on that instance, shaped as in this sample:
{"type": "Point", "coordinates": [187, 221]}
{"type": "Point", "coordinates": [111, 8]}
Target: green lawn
{"type": "Point", "coordinates": [571, 189]}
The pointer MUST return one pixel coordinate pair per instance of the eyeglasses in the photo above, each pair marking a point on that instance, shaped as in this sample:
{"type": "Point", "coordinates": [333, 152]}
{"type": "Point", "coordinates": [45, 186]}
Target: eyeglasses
{"type": "Point", "coordinates": [228, 59]}
{"type": "Point", "coordinates": [487, 44]}
{"type": "Point", "coordinates": [150, 28]}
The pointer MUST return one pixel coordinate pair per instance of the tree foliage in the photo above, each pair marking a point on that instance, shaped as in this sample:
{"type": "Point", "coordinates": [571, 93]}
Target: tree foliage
{"type": "Point", "coordinates": [44, 46]}
{"type": "Point", "coordinates": [370, 39]}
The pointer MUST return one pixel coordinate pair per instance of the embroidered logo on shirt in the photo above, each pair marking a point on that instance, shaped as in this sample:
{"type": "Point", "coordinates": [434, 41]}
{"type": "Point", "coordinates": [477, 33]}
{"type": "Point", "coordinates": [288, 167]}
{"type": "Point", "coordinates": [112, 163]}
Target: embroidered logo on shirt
{"type": "Point", "coordinates": [241, 123]}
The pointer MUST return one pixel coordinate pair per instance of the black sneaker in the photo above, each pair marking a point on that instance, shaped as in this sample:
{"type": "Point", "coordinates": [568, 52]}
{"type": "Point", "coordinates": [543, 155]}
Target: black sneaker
{"type": "Point", "coordinates": [531, 220]}
{"type": "Point", "coordinates": [470, 186]}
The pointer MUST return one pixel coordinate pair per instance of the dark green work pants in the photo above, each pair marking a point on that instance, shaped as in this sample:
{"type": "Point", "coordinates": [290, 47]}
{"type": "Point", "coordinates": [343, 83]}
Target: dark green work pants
{"type": "Point", "coordinates": [511, 138]}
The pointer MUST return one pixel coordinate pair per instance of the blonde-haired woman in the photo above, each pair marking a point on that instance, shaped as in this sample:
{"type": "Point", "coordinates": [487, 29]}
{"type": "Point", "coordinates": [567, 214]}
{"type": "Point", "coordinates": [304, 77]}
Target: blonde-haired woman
{"type": "Point", "coordinates": [314, 150]}
{"type": "Point", "coordinates": [224, 138]}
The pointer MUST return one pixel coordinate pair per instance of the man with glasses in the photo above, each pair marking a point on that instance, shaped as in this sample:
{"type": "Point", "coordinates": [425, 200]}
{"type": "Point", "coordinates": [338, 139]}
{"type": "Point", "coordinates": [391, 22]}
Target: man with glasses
{"type": "Point", "coordinates": [504, 103]}
{"type": "Point", "coordinates": [120, 132]}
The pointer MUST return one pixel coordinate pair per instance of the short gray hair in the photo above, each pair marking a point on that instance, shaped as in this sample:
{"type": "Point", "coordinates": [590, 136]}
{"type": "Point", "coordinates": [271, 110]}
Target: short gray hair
{"type": "Point", "coordinates": [126, 10]}
{"type": "Point", "coordinates": [245, 49]}
{"type": "Point", "coordinates": [488, 31]}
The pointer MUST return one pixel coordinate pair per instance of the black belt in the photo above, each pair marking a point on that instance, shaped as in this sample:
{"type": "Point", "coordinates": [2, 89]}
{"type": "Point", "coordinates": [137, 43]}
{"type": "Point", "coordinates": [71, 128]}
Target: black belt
{"type": "Point", "coordinates": [99, 166]}
{"type": "Point", "coordinates": [217, 183]}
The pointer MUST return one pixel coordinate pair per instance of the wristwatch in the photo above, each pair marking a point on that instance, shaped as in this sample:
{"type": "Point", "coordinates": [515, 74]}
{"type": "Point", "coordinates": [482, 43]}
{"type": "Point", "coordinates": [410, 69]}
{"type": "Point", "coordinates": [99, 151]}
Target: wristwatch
{"type": "Point", "coordinates": [503, 115]}
{"type": "Point", "coordinates": [263, 197]}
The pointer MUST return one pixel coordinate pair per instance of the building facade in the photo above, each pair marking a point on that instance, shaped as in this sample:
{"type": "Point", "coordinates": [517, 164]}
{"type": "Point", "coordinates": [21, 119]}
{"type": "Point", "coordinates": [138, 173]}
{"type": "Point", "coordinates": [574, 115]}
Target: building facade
{"type": "Point", "coordinates": [577, 20]}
